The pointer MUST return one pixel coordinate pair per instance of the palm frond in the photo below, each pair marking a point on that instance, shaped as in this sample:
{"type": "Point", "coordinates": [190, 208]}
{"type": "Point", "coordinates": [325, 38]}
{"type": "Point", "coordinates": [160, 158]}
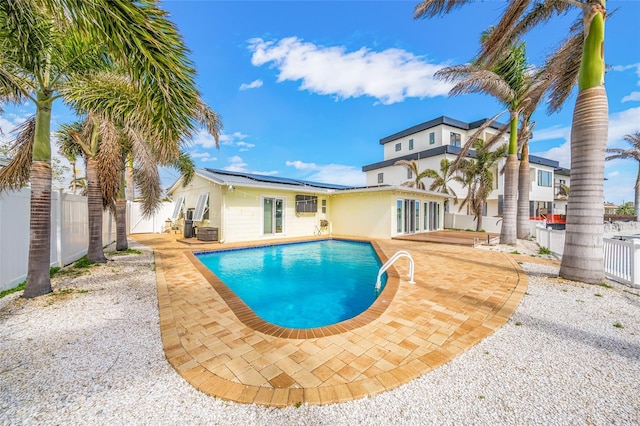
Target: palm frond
{"type": "Point", "coordinates": [15, 175]}
{"type": "Point", "coordinates": [110, 161]}
{"type": "Point", "coordinates": [503, 35]}
{"type": "Point", "coordinates": [145, 174]}
{"type": "Point", "coordinates": [184, 164]}
{"type": "Point", "coordinates": [564, 66]}
{"type": "Point", "coordinates": [431, 8]}
{"type": "Point", "coordinates": [471, 140]}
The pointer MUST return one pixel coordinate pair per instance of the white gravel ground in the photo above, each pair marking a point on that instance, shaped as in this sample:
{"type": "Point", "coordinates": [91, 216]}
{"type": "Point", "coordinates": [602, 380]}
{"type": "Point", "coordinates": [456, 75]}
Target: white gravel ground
{"type": "Point", "coordinates": [93, 356]}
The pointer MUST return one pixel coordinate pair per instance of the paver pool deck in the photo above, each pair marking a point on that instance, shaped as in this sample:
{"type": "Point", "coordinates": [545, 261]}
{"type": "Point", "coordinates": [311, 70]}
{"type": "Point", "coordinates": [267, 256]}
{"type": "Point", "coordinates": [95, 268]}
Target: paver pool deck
{"type": "Point", "coordinates": [215, 342]}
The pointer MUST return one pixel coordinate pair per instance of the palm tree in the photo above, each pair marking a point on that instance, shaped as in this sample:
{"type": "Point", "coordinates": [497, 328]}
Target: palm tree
{"type": "Point", "coordinates": [509, 81]}
{"type": "Point", "coordinates": [442, 178]}
{"type": "Point", "coordinates": [581, 62]}
{"type": "Point", "coordinates": [71, 152]}
{"type": "Point", "coordinates": [412, 166]}
{"type": "Point", "coordinates": [61, 58]}
{"type": "Point", "coordinates": [478, 177]}
{"type": "Point", "coordinates": [634, 154]}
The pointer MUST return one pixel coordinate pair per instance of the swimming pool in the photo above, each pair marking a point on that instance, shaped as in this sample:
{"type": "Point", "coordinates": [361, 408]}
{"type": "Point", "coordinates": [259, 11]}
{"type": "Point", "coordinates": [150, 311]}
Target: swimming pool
{"type": "Point", "coordinates": [301, 285]}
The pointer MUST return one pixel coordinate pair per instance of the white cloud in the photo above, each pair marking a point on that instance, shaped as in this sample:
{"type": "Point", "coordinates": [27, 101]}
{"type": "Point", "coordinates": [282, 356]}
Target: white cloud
{"type": "Point", "coordinates": [204, 139]}
{"type": "Point", "coordinates": [300, 165]}
{"type": "Point", "coordinates": [633, 96]}
{"type": "Point", "coordinates": [203, 157]}
{"type": "Point", "coordinates": [237, 164]}
{"type": "Point", "coordinates": [620, 124]}
{"type": "Point", "coordinates": [253, 85]}
{"type": "Point", "coordinates": [613, 174]}
{"type": "Point", "coordinates": [331, 173]}
{"type": "Point", "coordinates": [244, 146]}
{"type": "Point", "coordinates": [389, 76]}
{"type": "Point", "coordinates": [623, 123]}
{"type": "Point", "coordinates": [8, 124]}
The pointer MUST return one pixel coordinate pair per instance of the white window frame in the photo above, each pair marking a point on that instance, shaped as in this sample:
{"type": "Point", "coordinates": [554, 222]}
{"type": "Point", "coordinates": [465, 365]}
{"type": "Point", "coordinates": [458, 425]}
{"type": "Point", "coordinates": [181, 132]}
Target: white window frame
{"type": "Point", "coordinates": [201, 207]}
{"type": "Point", "coordinates": [177, 208]}
{"type": "Point", "coordinates": [284, 215]}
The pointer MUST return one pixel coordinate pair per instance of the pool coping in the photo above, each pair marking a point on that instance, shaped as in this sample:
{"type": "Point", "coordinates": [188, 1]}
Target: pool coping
{"type": "Point", "coordinates": [462, 296]}
{"type": "Point", "coordinates": [248, 317]}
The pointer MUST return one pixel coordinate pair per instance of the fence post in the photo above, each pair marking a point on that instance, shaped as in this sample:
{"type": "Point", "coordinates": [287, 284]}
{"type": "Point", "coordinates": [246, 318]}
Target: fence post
{"type": "Point", "coordinates": [635, 264]}
{"type": "Point", "coordinates": [59, 223]}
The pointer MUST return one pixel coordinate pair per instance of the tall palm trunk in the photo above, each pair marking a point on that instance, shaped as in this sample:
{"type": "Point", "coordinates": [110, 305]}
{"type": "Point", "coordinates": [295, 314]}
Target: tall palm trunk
{"type": "Point", "coordinates": [583, 257]}
{"type": "Point", "coordinates": [510, 206]}
{"type": "Point", "coordinates": [38, 277]}
{"type": "Point", "coordinates": [121, 216]}
{"type": "Point", "coordinates": [129, 179]}
{"type": "Point", "coordinates": [95, 252]}
{"type": "Point", "coordinates": [524, 178]}
{"type": "Point", "coordinates": [479, 216]}
{"type": "Point", "coordinates": [121, 225]}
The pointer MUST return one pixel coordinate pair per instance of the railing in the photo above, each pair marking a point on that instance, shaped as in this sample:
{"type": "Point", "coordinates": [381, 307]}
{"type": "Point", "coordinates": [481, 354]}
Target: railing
{"type": "Point", "coordinates": [551, 239]}
{"type": "Point", "coordinates": [621, 257]}
{"type": "Point", "coordinates": [389, 262]}
{"type": "Point", "coordinates": [622, 261]}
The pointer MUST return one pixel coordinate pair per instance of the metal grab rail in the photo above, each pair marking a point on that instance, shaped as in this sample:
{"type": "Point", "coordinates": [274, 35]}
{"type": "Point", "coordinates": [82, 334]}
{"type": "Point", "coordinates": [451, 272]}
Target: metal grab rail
{"type": "Point", "coordinates": [389, 262]}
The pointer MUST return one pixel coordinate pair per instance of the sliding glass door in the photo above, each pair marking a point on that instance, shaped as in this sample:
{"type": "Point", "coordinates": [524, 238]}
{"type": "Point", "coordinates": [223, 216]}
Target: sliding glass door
{"type": "Point", "coordinates": [273, 209]}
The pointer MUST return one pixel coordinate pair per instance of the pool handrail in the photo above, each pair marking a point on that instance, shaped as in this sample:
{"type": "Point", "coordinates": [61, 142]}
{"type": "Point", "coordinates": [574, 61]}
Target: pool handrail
{"type": "Point", "coordinates": [392, 259]}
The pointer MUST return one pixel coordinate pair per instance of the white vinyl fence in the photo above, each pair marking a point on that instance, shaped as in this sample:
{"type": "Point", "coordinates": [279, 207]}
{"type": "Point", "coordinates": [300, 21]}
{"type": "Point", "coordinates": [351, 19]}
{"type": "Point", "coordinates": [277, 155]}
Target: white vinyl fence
{"type": "Point", "coordinates": [463, 221]}
{"type": "Point", "coordinates": [69, 232]}
{"type": "Point", "coordinates": [621, 257]}
{"type": "Point", "coordinates": [138, 224]}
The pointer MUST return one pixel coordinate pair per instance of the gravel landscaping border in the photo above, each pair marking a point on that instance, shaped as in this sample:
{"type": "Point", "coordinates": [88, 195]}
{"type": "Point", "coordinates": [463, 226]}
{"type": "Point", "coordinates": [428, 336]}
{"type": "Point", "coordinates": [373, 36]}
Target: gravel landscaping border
{"type": "Point", "coordinates": [90, 353]}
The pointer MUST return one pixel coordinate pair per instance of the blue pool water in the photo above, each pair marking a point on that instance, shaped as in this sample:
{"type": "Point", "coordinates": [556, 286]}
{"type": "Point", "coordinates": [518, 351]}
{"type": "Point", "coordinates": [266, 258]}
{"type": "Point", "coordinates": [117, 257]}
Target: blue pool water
{"type": "Point", "coordinates": [302, 285]}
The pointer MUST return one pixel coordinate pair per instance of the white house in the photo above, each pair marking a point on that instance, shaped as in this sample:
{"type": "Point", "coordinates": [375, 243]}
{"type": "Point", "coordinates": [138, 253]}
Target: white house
{"type": "Point", "coordinates": [247, 207]}
{"type": "Point", "coordinates": [430, 142]}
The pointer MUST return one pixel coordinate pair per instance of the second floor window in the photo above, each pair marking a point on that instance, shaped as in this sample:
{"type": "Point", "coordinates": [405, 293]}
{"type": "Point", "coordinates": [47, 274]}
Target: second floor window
{"type": "Point", "coordinates": [432, 138]}
{"type": "Point", "coordinates": [380, 177]}
{"type": "Point", "coordinates": [455, 139]}
{"type": "Point", "coordinates": [398, 146]}
{"type": "Point", "coordinates": [409, 174]}
{"type": "Point", "coordinates": [410, 144]}
{"type": "Point", "coordinates": [544, 178]}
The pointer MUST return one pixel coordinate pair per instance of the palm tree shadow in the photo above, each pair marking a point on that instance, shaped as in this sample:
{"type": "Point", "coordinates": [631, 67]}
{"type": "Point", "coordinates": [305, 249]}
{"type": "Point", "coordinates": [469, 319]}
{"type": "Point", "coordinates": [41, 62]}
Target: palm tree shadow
{"type": "Point", "coordinates": [617, 346]}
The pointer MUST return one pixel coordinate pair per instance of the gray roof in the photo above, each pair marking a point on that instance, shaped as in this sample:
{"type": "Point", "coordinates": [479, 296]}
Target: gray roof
{"type": "Point", "coordinates": [436, 122]}
{"type": "Point", "coordinates": [448, 149]}
{"type": "Point", "coordinates": [224, 177]}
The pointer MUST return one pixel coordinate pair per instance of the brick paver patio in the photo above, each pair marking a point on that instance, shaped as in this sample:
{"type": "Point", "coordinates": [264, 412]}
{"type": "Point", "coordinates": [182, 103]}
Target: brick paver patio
{"type": "Point", "coordinates": [461, 296]}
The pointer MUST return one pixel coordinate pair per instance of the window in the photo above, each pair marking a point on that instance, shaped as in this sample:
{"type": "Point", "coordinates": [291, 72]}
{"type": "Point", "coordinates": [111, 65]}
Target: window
{"type": "Point", "coordinates": [201, 207]}
{"type": "Point", "coordinates": [272, 215]}
{"type": "Point", "coordinates": [380, 176]}
{"type": "Point", "coordinates": [455, 139]}
{"type": "Point", "coordinates": [324, 206]}
{"type": "Point", "coordinates": [306, 204]}
{"type": "Point", "coordinates": [410, 144]}
{"type": "Point", "coordinates": [398, 146]}
{"type": "Point", "coordinates": [500, 204]}
{"type": "Point", "coordinates": [177, 209]}
{"type": "Point", "coordinates": [409, 174]}
{"type": "Point", "coordinates": [544, 178]}
{"type": "Point", "coordinates": [432, 138]}
{"type": "Point", "coordinates": [563, 182]}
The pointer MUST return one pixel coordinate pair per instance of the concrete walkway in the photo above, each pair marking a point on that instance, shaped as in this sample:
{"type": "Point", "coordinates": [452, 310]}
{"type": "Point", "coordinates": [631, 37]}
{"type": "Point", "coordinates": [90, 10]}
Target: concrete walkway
{"type": "Point", "coordinates": [462, 295]}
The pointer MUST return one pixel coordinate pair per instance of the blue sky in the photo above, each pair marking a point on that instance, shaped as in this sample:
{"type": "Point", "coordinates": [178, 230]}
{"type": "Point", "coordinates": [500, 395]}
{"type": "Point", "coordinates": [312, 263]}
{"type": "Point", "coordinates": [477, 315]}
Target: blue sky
{"type": "Point", "coordinates": [306, 89]}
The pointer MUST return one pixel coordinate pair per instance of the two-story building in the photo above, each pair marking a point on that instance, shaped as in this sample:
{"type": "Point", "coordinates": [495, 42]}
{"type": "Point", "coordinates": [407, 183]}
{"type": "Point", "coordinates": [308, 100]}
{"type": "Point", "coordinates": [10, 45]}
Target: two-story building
{"type": "Point", "coordinates": [430, 142]}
